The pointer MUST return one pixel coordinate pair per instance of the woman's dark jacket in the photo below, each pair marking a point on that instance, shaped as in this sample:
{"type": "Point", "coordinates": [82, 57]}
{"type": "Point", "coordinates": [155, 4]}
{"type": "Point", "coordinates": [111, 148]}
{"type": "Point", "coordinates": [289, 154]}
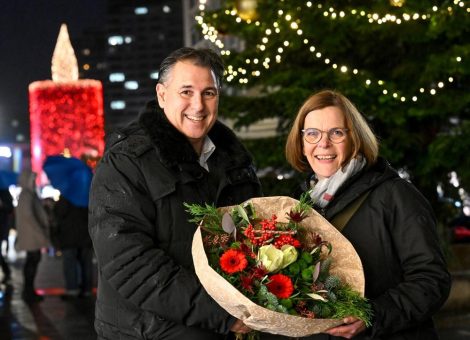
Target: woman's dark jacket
{"type": "Point", "coordinates": [141, 235]}
{"type": "Point", "coordinates": [394, 233]}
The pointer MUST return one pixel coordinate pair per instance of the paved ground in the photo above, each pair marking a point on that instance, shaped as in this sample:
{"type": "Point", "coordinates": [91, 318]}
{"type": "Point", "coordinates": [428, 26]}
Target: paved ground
{"type": "Point", "coordinates": [50, 319]}
{"type": "Point", "coordinates": [55, 319]}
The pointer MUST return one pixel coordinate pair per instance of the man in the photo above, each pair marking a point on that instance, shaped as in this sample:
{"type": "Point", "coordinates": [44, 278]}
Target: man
{"type": "Point", "coordinates": [175, 152]}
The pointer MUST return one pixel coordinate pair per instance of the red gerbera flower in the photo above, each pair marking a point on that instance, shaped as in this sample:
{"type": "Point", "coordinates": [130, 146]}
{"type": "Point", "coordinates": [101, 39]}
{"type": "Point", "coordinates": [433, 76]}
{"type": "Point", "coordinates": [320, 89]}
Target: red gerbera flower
{"type": "Point", "coordinates": [233, 261]}
{"type": "Point", "coordinates": [281, 286]}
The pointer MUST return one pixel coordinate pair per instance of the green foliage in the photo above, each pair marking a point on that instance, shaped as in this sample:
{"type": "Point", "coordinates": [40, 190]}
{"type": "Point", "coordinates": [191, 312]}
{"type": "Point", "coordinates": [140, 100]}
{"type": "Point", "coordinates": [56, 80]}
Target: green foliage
{"type": "Point", "coordinates": [332, 282]}
{"type": "Point", "coordinates": [349, 302]}
{"type": "Point", "coordinates": [417, 136]}
{"type": "Point", "coordinates": [207, 213]}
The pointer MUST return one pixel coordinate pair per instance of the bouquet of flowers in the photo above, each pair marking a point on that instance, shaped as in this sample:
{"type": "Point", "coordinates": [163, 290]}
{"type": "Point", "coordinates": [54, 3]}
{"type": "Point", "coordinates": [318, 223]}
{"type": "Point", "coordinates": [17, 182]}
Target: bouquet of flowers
{"type": "Point", "coordinates": [278, 265]}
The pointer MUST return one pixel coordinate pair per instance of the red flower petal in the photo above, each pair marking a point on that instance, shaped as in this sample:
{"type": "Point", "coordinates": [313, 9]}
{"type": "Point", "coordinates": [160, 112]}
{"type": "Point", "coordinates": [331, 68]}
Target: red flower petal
{"type": "Point", "coordinates": [233, 261]}
{"type": "Point", "coordinates": [281, 286]}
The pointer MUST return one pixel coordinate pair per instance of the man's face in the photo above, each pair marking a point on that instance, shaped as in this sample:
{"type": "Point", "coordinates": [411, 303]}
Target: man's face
{"type": "Point", "coordinates": [190, 99]}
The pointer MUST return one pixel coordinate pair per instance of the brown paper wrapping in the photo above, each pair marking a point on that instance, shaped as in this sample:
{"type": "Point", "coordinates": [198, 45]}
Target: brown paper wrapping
{"type": "Point", "coordinates": [345, 264]}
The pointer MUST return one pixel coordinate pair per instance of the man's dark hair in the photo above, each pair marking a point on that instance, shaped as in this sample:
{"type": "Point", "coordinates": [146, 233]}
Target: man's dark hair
{"type": "Point", "coordinates": [201, 57]}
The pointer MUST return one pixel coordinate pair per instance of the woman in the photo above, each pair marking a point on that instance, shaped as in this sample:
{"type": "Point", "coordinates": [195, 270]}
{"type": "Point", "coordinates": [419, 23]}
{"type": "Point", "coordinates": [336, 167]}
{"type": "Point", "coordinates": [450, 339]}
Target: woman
{"type": "Point", "coordinates": [393, 230]}
{"type": "Point", "coordinates": [32, 228]}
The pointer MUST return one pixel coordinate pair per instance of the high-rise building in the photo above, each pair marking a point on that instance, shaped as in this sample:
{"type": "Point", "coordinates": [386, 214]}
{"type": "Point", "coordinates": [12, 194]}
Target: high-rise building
{"type": "Point", "coordinates": [139, 35]}
{"type": "Point", "coordinates": [90, 51]}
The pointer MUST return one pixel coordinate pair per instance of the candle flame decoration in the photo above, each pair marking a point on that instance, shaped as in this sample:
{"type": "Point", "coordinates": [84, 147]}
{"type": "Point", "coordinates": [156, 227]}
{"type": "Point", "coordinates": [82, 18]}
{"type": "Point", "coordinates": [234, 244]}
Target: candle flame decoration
{"type": "Point", "coordinates": [64, 63]}
{"type": "Point", "coordinates": [66, 113]}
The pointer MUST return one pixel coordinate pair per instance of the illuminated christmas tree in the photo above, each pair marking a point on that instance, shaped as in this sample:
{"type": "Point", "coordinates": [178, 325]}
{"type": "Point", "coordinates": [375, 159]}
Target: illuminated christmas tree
{"type": "Point", "coordinates": [405, 64]}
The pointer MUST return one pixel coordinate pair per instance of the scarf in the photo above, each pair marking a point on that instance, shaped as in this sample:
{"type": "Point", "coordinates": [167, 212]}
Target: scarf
{"type": "Point", "coordinates": [323, 191]}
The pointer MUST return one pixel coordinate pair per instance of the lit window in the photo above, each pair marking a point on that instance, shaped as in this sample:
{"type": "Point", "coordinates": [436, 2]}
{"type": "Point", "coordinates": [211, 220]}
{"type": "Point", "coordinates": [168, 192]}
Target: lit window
{"type": "Point", "coordinates": [154, 75]}
{"type": "Point", "coordinates": [118, 104]}
{"type": "Point", "coordinates": [116, 40]}
{"type": "Point", "coordinates": [141, 10]}
{"type": "Point", "coordinates": [117, 77]}
{"type": "Point", "coordinates": [131, 85]}
{"type": "Point", "coordinates": [166, 9]}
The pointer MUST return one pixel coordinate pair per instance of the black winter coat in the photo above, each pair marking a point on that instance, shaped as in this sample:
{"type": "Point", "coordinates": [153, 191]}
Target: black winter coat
{"type": "Point", "coordinates": [70, 225]}
{"type": "Point", "coordinates": [394, 233]}
{"type": "Point", "coordinates": [147, 288]}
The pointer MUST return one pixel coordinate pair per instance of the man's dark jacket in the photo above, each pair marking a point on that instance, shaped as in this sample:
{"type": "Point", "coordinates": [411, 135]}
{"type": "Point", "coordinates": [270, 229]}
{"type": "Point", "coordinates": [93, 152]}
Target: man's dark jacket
{"type": "Point", "coordinates": [394, 233]}
{"type": "Point", "coordinates": [141, 235]}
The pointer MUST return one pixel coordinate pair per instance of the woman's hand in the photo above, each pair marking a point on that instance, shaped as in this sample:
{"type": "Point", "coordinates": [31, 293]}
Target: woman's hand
{"type": "Point", "coordinates": [240, 327]}
{"type": "Point", "coordinates": [351, 327]}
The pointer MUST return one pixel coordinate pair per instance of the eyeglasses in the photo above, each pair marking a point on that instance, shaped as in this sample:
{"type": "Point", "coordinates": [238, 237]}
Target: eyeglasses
{"type": "Point", "coordinates": [335, 135]}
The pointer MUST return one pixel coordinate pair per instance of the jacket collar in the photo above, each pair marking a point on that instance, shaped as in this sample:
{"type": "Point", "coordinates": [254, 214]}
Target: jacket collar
{"type": "Point", "coordinates": [366, 180]}
{"type": "Point", "coordinates": [174, 148]}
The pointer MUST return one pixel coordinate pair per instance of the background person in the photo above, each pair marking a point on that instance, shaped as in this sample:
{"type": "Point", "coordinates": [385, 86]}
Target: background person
{"type": "Point", "coordinates": [6, 211]}
{"type": "Point", "coordinates": [32, 232]}
{"type": "Point", "coordinates": [393, 230]}
{"type": "Point", "coordinates": [175, 152]}
{"type": "Point", "coordinates": [71, 227]}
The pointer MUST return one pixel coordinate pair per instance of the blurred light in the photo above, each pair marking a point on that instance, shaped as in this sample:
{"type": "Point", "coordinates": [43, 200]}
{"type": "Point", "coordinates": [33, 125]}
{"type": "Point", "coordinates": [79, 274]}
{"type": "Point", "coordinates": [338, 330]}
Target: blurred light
{"type": "Point", "coordinates": [131, 85]}
{"type": "Point", "coordinates": [48, 191]}
{"type": "Point", "coordinates": [454, 179]}
{"type": "Point", "coordinates": [117, 77]}
{"type": "Point", "coordinates": [118, 104]}
{"type": "Point", "coordinates": [466, 211]}
{"type": "Point", "coordinates": [115, 40]}
{"type": "Point", "coordinates": [141, 10]}
{"type": "Point", "coordinates": [5, 151]}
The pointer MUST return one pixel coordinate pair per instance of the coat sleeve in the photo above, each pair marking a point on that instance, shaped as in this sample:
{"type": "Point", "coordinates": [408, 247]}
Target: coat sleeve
{"type": "Point", "coordinates": [424, 283]}
{"type": "Point", "coordinates": [122, 227]}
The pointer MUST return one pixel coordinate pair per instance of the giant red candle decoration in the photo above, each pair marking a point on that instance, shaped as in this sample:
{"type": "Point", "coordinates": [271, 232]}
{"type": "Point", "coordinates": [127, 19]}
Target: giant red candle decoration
{"type": "Point", "coordinates": [66, 114]}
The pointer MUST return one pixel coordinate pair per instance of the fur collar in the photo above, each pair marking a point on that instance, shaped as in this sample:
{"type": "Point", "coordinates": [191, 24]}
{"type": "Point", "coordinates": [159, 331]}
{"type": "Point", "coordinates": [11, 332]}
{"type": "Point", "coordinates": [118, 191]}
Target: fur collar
{"type": "Point", "coordinates": [174, 148]}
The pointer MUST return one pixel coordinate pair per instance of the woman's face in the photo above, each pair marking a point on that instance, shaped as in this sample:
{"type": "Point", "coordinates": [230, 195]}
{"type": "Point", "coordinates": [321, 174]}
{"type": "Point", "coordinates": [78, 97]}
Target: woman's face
{"type": "Point", "coordinates": [326, 157]}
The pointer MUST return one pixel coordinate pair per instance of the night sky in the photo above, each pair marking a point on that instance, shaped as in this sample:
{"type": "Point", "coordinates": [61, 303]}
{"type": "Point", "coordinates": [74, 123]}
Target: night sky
{"type": "Point", "coordinates": [28, 34]}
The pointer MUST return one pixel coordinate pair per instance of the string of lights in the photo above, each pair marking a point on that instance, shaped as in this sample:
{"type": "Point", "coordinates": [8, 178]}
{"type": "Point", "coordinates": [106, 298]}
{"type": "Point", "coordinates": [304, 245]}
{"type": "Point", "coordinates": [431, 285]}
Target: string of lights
{"type": "Point", "coordinates": [253, 67]}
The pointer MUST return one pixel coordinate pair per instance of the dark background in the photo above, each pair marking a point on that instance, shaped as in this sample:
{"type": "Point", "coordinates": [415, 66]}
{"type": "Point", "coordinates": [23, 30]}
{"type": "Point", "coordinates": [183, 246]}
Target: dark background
{"type": "Point", "coordinates": [28, 34]}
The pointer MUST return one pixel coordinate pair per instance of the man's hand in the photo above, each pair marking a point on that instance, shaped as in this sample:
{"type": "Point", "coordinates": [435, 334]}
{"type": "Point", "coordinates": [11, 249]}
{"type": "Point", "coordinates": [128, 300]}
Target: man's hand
{"type": "Point", "coordinates": [351, 327]}
{"type": "Point", "coordinates": [240, 327]}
